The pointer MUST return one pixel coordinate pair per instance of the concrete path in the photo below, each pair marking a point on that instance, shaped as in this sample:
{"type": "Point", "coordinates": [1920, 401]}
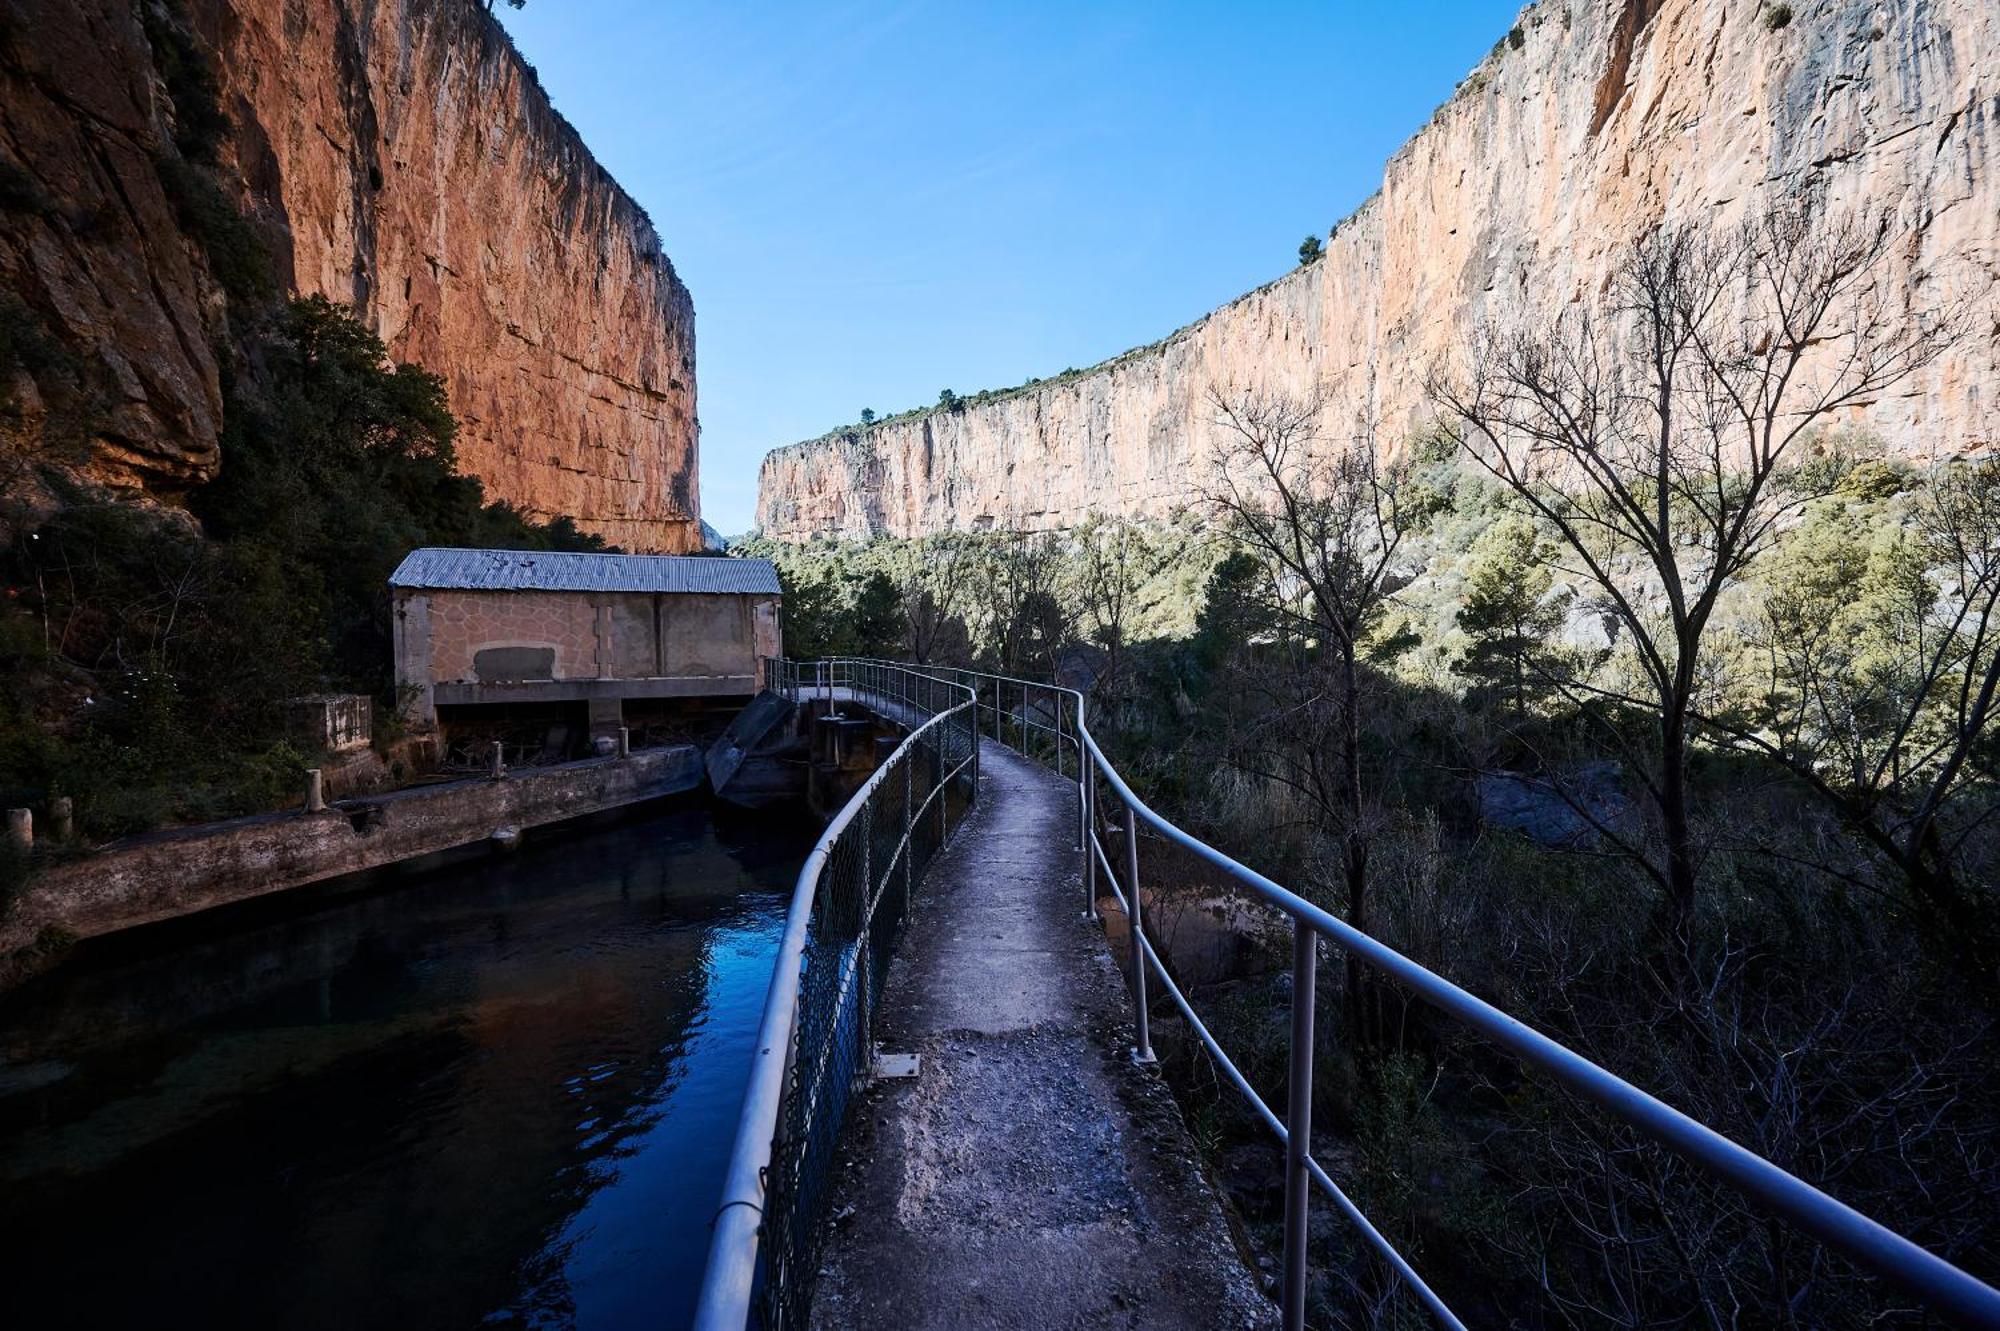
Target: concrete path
{"type": "Point", "coordinates": [1030, 1176]}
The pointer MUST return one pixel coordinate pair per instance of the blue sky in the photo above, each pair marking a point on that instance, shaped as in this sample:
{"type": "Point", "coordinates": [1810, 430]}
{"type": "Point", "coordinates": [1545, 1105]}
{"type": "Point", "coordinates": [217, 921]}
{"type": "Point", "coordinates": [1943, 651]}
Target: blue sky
{"type": "Point", "coordinates": [874, 202]}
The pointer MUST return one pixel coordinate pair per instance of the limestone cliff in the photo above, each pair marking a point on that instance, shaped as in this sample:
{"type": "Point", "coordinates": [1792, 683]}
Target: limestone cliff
{"type": "Point", "coordinates": [1591, 121]}
{"type": "Point", "coordinates": [395, 155]}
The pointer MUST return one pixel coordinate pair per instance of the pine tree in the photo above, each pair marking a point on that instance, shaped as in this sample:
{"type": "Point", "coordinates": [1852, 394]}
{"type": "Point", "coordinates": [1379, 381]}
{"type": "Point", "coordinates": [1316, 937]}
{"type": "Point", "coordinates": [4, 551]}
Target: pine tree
{"type": "Point", "coordinates": [1509, 614]}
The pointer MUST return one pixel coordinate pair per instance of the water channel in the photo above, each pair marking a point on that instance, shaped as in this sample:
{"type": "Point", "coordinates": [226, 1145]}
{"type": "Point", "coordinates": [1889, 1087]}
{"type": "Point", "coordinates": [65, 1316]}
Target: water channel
{"type": "Point", "coordinates": [490, 1094]}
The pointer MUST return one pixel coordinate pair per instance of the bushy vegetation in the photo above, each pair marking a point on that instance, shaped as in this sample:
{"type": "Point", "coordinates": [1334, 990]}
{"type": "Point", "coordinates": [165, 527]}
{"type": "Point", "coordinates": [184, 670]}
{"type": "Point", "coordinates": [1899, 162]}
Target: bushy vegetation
{"type": "Point", "coordinates": [152, 657]}
{"type": "Point", "coordinates": [1674, 735]}
{"type": "Point", "coordinates": [149, 651]}
{"type": "Point", "coordinates": [236, 252]}
{"type": "Point", "coordinates": [185, 69]}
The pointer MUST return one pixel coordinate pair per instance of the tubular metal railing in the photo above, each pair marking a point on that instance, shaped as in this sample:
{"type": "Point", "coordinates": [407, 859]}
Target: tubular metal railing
{"type": "Point", "coordinates": [1048, 722]}
{"type": "Point", "coordinates": [814, 1043]}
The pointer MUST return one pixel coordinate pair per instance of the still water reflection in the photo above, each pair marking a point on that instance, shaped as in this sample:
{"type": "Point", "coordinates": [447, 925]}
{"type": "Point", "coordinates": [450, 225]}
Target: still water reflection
{"type": "Point", "coordinates": [497, 1094]}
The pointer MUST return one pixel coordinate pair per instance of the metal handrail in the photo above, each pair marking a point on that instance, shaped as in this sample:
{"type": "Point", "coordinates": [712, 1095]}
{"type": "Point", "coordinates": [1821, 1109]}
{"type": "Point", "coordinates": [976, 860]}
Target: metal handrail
{"type": "Point", "coordinates": [1943, 1287]}
{"type": "Point", "coordinates": [729, 1282]}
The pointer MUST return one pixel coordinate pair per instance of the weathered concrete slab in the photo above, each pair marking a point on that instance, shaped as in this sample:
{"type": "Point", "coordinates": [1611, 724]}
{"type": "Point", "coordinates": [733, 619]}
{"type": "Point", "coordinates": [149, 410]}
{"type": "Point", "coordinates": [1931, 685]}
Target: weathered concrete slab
{"type": "Point", "coordinates": [766, 712]}
{"type": "Point", "coordinates": [177, 872]}
{"type": "Point", "coordinates": [1030, 1175]}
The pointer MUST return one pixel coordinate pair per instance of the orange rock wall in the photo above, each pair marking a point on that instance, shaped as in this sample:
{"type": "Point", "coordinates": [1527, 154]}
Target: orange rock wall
{"type": "Point", "coordinates": [1517, 199]}
{"type": "Point", "coordinates": [423, 177]}
{"type": "Point", "coordinates": [401, 158]}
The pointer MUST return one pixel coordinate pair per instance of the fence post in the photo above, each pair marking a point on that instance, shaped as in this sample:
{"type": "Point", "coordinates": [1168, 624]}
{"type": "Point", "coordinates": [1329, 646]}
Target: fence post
{"type": "Point", "coordinates": [1135, 916]}
{"type": "Point", "coordinates": [909, 836]}
{"type": "Point", "coordinates": [1298, 1122]}
{"type": "Point", "coordinates": [1085, 798]}
{"type": "Point", "coordinates": [21, 828]}
{"type": "Point", "coordinates": [1061, 762]}
{"type": "Point", "coordinates": [315, 791]}
{"type": "Point", "coordinates": [1082, 843]}
{"type": "Point", "coordinates": [863, 959]}
{"type": "Point", "coordinates": [943, 800]}
{"type": "Point", "coordinates": [498, 767]}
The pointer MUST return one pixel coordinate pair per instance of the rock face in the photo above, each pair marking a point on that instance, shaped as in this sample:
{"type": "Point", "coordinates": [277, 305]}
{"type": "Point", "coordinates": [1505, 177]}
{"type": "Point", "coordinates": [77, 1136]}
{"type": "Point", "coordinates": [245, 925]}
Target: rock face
{"type": "Point", "coordinates": [399, 157]}
{"type": "Point", "coordinates": [1589, 123]}
{"type": "Point", "coordinates": [109, 307]}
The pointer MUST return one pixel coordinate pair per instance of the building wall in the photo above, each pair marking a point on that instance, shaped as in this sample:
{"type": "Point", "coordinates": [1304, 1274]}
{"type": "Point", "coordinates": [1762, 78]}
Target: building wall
{"type": "Point", "coordinates": [464, 624]}
{"type": "Point", "coordinates": [500, 637]}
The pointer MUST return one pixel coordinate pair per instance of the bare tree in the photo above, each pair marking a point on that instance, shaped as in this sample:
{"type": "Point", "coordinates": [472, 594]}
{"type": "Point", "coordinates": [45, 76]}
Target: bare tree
{"type": "Point", "coordinates": [933, 600]}
{"type": "Point", "coordinates": [1657, 439]}
{"type": "Point", "coordinates": [1324, 523]}
{"type": "Point", "coordinates": [1114, 559]}
{"type": "Point", "coordinates": [1020, 577]}
{"type": "Point", "coordinates": [1882, 689]}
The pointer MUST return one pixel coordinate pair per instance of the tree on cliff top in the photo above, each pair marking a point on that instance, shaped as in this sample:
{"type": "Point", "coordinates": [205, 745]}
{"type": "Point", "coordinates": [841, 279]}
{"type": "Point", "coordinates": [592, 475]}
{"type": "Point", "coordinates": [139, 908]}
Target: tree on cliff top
{"type": "Point", "coordinates": [1310, 250]}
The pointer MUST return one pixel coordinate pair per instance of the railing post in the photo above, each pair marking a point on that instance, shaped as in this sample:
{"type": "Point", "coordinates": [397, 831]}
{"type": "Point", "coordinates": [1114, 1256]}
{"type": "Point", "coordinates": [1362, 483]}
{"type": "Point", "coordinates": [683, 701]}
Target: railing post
{"type": "Point", "coordinates": [943, 795]}
{"type": "Point", "coordinates": [909, 835]}
{"type": "Point", "coordinates": [1298, 1122]}
{"type": "Point", "coordinates": [1082, 841]}
{"type": "Point", "coordinates": [1085, 797]}
{"type": "Point", "coordinates": [1061, 764]}
{"type": "Point", "coordinates": [1142, 1052]}
{"type": "Point", "coordinates": [863, 1018]}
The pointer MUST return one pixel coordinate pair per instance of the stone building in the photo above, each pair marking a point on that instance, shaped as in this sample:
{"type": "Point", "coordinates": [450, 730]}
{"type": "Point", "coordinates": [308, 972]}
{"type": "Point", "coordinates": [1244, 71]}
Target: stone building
{"type": "Point", "coordinates": [580, 635]}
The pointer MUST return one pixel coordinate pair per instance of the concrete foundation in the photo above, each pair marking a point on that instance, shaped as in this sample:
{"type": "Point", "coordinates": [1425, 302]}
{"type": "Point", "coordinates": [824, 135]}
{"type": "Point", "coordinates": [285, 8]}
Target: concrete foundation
{"type": "Point", "coordinates": [168, 874]}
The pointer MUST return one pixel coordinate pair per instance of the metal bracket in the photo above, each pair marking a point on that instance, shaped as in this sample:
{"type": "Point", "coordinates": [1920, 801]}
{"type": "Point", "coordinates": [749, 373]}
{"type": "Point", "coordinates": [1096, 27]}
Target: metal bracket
{"type": "Point", "coordinates": [895, 1067]}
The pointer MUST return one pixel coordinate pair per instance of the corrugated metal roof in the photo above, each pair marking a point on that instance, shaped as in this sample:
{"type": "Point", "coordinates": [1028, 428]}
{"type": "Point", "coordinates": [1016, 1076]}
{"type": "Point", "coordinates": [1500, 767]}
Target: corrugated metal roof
{"type": "Point", "coordinates": [553, 571]}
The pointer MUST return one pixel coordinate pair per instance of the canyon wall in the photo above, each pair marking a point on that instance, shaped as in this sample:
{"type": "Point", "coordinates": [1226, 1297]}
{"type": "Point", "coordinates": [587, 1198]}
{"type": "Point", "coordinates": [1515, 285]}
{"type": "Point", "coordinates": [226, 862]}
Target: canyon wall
{"type": "Point", "coordinates": [397, 156]}
{"type": "Point", "coordinates": [1590, 122]}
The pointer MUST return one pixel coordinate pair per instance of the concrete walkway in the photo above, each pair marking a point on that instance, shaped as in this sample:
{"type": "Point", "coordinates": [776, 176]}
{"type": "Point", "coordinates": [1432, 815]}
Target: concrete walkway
{"type": "Point", "coordinates": [1030, 1176]}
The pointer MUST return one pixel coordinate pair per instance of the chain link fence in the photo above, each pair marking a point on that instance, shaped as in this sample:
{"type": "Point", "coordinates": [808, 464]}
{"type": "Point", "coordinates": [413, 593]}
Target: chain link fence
{"type": "Point", "coordinates": [817, 1043]}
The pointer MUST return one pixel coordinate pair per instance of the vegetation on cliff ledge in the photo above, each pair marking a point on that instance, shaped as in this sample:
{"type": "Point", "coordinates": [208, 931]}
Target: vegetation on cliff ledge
{"type": "Point", "coordinates": [152, 656]}
{"type": "Point", "coordinates": [149, 648]}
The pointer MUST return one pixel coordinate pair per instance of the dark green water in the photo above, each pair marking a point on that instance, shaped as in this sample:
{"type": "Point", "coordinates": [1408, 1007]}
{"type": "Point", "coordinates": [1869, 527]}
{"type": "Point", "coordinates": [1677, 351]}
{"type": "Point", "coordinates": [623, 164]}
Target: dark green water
{"type": "Point", "coordinates": [497, 1094]}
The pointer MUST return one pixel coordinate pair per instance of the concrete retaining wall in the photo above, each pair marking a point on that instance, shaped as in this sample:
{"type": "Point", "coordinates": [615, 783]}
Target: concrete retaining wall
{"type": "Point", "coordinates": [163, 875]}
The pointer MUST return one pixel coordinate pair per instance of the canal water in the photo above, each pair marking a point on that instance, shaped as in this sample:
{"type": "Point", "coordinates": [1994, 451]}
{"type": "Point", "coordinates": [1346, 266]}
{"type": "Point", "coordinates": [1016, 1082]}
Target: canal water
{"type": "Point", "coordinates": [497, 1094]}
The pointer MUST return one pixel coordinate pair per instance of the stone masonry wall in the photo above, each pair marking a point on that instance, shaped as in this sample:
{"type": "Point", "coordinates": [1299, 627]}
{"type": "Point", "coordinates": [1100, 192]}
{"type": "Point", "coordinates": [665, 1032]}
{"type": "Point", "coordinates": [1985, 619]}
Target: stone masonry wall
{"type": "Point", "coordinates": [463, 623]}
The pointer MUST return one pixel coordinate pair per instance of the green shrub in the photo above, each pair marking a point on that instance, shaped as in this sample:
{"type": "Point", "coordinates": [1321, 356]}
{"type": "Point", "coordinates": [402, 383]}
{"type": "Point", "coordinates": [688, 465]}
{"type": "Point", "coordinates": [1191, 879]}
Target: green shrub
{"type": "Point", "coordinates": [152, 663]}
{"type": "Point", "coordinates": [1776, 17]}
{"type": "Point", "coordinates": [184, 67]}
{"type": "Point", "coordinates": [237, 254]}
